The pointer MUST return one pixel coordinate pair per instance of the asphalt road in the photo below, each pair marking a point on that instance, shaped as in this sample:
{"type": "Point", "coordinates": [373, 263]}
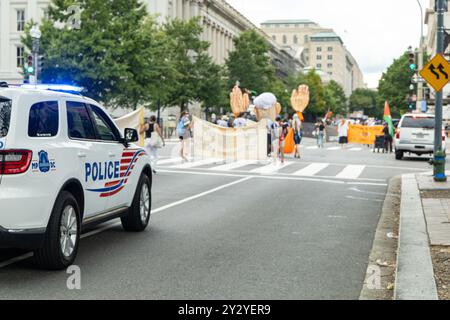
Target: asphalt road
{"type": "Point", "coordinates": [234, 234]}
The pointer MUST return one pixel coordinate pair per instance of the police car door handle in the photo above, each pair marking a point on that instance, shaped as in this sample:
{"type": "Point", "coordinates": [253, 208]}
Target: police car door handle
{"type": "Point", "coordinates": [111, 154]}
{"type": "Point", "coordinates": [82, 155]}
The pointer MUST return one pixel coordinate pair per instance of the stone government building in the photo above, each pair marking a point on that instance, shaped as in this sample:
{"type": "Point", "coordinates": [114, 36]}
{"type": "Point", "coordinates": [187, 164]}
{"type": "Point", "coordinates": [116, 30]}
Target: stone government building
{"type": "Point", "coordinates": [320, 49]}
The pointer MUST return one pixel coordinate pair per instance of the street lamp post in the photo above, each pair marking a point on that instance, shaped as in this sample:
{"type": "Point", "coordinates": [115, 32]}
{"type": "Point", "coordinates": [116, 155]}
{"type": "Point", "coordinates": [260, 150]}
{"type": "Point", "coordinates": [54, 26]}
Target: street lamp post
{"type": "Point", "coordinates": [35, 36]}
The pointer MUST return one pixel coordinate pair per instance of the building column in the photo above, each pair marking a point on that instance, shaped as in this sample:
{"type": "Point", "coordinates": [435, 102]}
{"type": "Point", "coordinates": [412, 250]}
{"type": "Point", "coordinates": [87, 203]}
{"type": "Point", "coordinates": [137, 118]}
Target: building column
{"type": "Point", "coordinates": [186, 10]}
{"type": "Point", "coordinates": [179, 9]}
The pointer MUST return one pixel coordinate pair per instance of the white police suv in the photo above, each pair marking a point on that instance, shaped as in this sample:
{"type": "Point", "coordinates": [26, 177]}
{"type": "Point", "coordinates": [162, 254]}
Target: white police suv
{"type": "Point", "coordinates": [64, 166]}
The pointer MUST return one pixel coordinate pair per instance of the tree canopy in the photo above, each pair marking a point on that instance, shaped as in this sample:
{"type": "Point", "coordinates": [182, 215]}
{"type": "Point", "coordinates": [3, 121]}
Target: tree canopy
{"type": "Point", "coordinates": [366, 100]}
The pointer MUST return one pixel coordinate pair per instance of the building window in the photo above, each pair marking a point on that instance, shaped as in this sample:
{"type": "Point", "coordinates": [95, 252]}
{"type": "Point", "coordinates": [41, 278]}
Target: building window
{"type": "Point", "coordinates": [295, 39]}
{"type": "Point", "coordinates": [306, 39]}
{"type": "Point", "coordinates": [330, 65]}
{"type": "Point", "coordinates": [20, 20]}
{"type": "Point", "coordinates": [330, 57]}
{"type": "Point", "coordinates": [330, 49]}
{"type": "Point", "coordinates": [274, 38]}
{"type": "Point", "coordinates": [319, 66]}
{"type": "Point", "coordinates": [319, 49]}
{"type": "Point", "coordinates": [330, 73]}
{"type": "Point", "coordinates": [284, 39]}
{"type": "Point", "coordinates": [319, 58]}
{"type": "Point", "coordinates": [20, 57]}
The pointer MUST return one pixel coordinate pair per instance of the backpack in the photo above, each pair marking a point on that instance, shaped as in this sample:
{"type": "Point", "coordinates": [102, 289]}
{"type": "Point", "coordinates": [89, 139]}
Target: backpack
{"type": "Point", "coordinates": [181, 130]}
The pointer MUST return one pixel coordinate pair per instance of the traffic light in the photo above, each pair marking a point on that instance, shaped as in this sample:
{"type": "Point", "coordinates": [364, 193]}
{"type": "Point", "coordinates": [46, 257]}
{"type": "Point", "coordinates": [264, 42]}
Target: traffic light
{"type": "Point", "coordinates": [29, 68]}
{"type": "Point", "coordinates": [412, 61]}
{"type": "Point", "coordinates": [40, 64]}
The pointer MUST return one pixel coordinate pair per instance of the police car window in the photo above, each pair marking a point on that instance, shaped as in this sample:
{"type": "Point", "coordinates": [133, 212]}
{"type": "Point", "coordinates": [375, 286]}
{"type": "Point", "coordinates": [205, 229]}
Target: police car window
{"type": "Point", "coordinates": [5, 116]}
{"type": "Point", "coordinates": [43, 119]}
{"type": "Point", "coordinates": [79, 122]}
{"type": "Point", "coordinates": [105, 128]}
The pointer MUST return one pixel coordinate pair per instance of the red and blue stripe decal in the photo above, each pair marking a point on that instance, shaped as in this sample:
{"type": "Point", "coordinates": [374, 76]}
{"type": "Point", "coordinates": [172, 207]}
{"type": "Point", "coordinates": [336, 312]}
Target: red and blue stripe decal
{"type": "Point", "coordinates": [127, 163]}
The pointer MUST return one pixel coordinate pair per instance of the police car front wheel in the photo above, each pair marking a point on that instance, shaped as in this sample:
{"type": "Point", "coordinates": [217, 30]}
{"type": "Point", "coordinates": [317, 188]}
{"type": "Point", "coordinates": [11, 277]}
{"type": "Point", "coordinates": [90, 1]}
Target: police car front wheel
{"type": "Point", "coordinates": [138, 216]}
{"type": "Point", "coordinates": [63, 234]}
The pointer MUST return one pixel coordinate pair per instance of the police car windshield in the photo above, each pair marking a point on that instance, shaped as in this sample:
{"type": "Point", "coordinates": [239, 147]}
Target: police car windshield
{"type": "Point", "coordinates": [5, 116]}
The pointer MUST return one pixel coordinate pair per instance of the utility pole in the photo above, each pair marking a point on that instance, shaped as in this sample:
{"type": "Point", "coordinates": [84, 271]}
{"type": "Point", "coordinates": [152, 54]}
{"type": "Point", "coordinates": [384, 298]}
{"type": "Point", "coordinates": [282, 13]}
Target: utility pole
{"type": "Point", "coordinates": [439, 154]}
{"type": "Point", "coordinates": [35, 36]}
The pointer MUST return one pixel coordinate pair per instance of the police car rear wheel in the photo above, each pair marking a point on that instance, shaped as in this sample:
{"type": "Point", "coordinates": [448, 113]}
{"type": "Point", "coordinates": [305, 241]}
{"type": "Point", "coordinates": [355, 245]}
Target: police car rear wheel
{"type": "Point", "coordinates": [63, 234]}
{"type": "Point", "coordinates": [138, 216]}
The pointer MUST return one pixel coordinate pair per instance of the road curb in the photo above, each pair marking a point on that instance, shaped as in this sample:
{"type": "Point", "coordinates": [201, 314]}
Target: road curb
{"type": "Point", "coordinates": [414, 273]}
{"type": "Point", "coordinates": [383, 248]}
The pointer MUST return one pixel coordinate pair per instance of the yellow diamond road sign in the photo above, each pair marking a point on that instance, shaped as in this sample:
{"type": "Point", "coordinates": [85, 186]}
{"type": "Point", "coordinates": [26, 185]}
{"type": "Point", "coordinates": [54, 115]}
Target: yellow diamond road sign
{"type": "Point", "coordinates": [437, 72]}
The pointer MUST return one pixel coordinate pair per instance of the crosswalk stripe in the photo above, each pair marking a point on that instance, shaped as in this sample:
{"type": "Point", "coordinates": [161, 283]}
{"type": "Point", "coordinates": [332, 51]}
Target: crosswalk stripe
{"type": "Point", "coordinates": [333, 148]}
{"type": "Point", "coordinates": [271, 168]}
{"type": "Point", "coordinates": [194, 164]}
{"type": "Point", "coordinates": [313, 147]}
{"type": "Point", "coordinates": [233, 165]}
{"type": "Point", "coordinates": [311, 170]}
{"type": "Point", "coordinates": [351, 172]}
{"type": "Point", "coordinates": [355, 149]}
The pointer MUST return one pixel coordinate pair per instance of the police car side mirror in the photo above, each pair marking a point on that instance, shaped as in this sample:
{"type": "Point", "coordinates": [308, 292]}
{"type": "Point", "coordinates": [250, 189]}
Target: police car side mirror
{"type": "Point", "coordinates": [131, 135]}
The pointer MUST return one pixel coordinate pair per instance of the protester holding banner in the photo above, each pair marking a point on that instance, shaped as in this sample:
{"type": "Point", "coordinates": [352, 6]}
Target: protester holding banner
{"type": "Point", "coordinates": [184, 133]}
{"type": "Point", "coordinates": [297, 126]}
{"type": "Point", "coordinates": [387, 138]}
{"type": "Point", "coordinates": [153, 140]}
{"type": "Point", "coordinates": [343, 132]}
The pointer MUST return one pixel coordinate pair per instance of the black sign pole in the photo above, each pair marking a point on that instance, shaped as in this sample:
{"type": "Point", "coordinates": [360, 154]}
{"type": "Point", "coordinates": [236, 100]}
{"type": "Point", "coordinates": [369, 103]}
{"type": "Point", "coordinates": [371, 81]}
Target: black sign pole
{"type": "Point", "coordinates": [439, 154]}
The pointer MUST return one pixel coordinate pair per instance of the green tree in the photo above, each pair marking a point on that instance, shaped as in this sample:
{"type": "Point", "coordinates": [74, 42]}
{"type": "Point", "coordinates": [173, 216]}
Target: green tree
{"type": "Point", "coordinates": [109, 55]}
{"type": "Point", "coordinates": [366, 100]}
{"type": "Point", "coordinates": [317, 96]}
{"type": "Point", "coordinates": [250, 63]}
{"type": "Point", "coordinates": [199, 78]}
{"type": "Point", "coordinates": [394, 86]}
{"type": "Point", "coordinates": [335, 98]}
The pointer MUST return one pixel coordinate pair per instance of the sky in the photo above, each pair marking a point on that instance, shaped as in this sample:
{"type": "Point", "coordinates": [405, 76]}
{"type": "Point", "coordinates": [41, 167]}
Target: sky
{"type": "Point", "coordinates": [374, 31]}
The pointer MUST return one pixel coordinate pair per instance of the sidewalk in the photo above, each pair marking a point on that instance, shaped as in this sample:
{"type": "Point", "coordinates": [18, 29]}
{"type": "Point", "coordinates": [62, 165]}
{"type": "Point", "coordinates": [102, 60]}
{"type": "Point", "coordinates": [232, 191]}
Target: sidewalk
{"type": "Point", "coordinates": [423, 272]}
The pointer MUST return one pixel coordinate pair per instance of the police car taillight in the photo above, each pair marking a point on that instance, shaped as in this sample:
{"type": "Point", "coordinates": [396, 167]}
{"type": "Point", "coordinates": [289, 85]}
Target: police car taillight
{"type": "Point", "coordinates": [15, 161]}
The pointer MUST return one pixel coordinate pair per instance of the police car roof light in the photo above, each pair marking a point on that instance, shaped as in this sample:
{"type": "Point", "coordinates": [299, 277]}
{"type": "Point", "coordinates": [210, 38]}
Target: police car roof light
{"type": "Point", "coordinates": [53, 87]}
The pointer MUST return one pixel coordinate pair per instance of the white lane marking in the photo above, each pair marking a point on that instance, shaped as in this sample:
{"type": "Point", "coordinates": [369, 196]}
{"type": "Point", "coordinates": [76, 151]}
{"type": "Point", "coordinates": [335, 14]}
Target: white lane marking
{"type": "Point", "coordinates": [271, 168]}
{"type": "Point", "coordinates": [311, 170]}
{"type": "Point", "coordinates": [333, 148]}
{"type": "Point", "coordinates": [364, 199]}
{"type": "Point", "coordinates": [169, 161]}
{"type": "Point", "coordinates": [355, 149]}
{"type": "Point", "coordinates": [281, 176]}
{"type": "Point", "coordinates": [312, 148]}
{"type": "Point", "coordinates": [351, 172]}
{"type": "Point", "coordinates": [116, 224]}
{"type": "Point", "coordinates": [177, 203]}
{"type": "Point", "coordinates": [194, 164]}
{"type": "Point", "coordinates": [233, 165]}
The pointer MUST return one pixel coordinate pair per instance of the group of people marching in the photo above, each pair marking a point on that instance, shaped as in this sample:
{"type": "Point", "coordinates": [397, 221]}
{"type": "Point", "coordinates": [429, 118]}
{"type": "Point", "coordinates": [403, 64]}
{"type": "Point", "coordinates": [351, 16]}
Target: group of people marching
{"type": "Point", "coordinates": [278, 131]}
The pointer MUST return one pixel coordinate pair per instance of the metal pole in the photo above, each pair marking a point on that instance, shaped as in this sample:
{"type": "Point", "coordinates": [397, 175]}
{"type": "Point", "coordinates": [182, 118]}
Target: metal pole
{"type": "Point", "coordinates": [439, 154]}
{"type": "Point", "coordinates": [420, 95]}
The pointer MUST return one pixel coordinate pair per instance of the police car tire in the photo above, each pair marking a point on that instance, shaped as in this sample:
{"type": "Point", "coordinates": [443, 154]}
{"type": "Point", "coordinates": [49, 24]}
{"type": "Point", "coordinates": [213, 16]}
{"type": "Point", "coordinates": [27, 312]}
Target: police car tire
{"type": "Point", "coordinates": [50, 256]}
{"type": "Point", "coordinates": [132, 221]}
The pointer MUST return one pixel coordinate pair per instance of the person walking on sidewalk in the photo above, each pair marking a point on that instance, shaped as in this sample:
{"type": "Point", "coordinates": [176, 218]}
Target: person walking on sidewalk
{"type": "Point", "coordinates": [387, 138]}
{"type": "Point", "coordinates": [320, 129]}
{"type": "Point", "coordinates": [184, 133]}
{"type": "Point", "coordinates": [343, 132]}
{"type": "Point", "coordinates": [153, 140]}
{"type": "Point", "coordinates": [297, 126]}
{"type": "Point", "coordinates": [284, 129]}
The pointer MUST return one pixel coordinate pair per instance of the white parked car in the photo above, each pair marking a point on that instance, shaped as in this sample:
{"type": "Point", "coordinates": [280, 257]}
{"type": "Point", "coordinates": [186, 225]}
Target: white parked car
{"type": "Point", "coordinates": [415, 134]}
{"type": "Point", "coordinates": [64, 165]}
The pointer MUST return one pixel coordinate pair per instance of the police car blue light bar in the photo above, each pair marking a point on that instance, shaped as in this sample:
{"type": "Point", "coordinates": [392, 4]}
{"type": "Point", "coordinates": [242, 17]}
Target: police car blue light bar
{"type": "Point", "coordinates": [54, 87]}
